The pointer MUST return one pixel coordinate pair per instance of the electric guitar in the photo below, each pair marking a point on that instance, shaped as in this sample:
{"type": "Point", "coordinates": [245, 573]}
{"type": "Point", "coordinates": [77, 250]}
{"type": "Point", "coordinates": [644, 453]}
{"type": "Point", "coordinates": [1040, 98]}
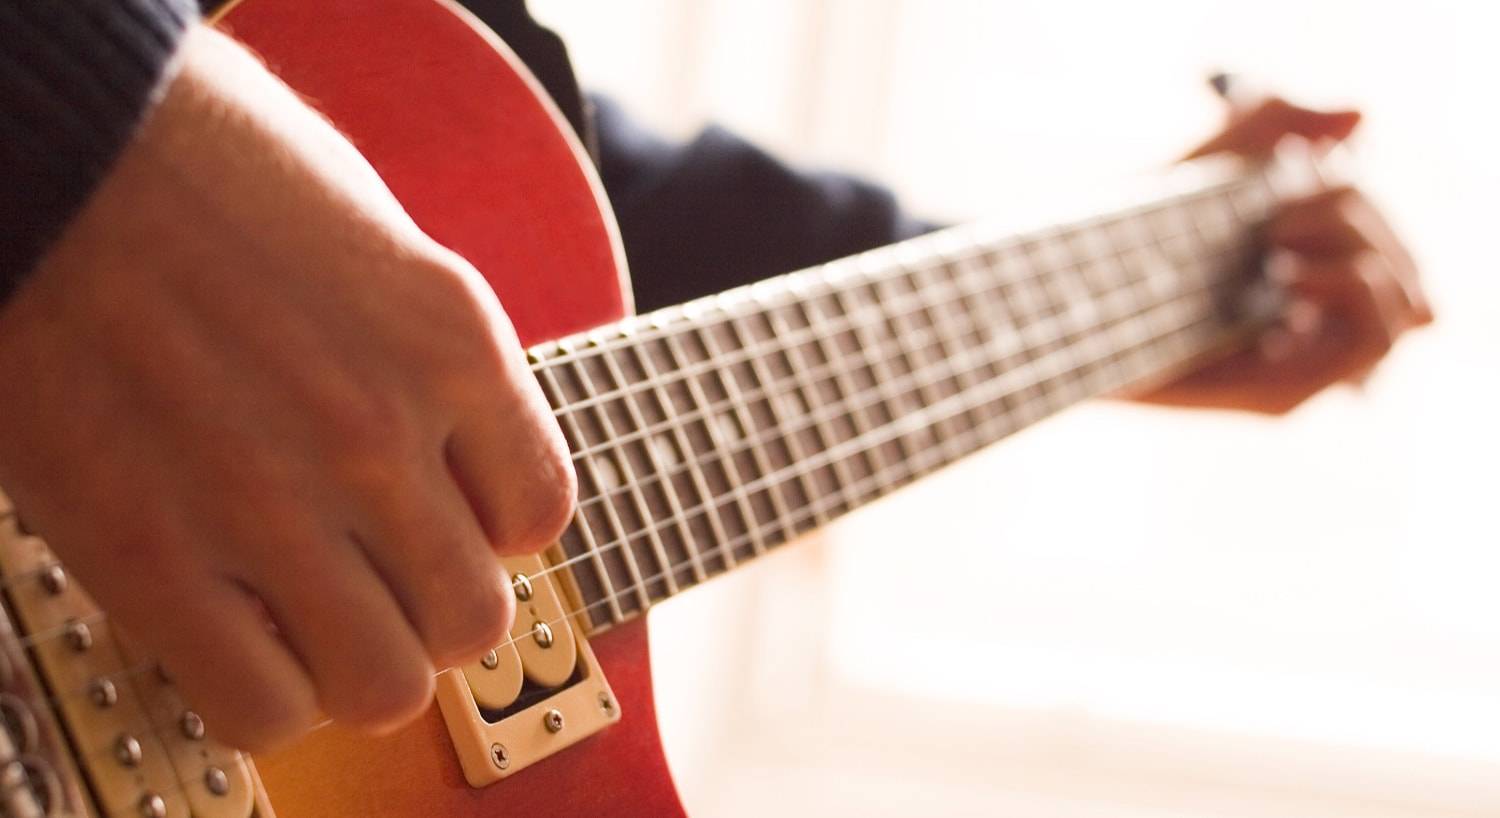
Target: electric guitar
{"type": "Point", "coordinates": [703, 435]}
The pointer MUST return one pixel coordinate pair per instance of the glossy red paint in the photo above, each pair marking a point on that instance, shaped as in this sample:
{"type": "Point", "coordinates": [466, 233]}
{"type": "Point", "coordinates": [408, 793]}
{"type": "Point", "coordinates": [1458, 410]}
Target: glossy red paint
{"type": "Point", "coordinates": [454, 126]}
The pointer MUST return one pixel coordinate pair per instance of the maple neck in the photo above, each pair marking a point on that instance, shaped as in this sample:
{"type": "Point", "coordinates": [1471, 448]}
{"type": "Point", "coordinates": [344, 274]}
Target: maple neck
{"type": "Point", "coordinates": [706, 434]}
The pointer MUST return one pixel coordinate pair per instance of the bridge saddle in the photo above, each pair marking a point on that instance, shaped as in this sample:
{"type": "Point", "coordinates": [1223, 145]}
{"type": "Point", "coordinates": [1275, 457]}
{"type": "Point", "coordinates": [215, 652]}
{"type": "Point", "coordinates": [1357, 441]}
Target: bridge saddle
{"type": "Point", "coordinates": [538, 693]}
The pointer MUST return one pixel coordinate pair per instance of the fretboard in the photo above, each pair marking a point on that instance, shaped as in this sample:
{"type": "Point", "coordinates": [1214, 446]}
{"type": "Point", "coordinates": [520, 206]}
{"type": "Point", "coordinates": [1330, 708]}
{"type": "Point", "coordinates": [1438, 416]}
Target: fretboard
{"type": "Point", "coordinates": [706, 434]}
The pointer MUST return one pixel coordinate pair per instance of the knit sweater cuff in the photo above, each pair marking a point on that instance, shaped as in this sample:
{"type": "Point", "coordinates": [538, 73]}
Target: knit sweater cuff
{"type": "Point", "coordinates": [76, 79]}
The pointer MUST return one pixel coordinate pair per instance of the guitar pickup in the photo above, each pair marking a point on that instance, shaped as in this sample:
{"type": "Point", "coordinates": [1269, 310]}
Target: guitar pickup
{"type": "Point", "coordinates": [539, 692]}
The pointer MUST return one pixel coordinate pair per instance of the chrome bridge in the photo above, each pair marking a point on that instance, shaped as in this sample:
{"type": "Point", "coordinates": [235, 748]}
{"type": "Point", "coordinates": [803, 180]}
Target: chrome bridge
{"type": "Point", "coordinates": [539, 692]}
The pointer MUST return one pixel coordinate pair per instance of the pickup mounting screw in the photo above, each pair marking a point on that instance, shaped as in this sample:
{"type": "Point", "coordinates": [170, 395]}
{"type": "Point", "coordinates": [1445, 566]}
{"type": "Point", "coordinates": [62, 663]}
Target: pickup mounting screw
{"type": "Point", "coordinates": [152, 806]}
{"type": "Point", "coordinates": [500, 755]}
{"type": "Point", "coordinates": [54, 579]}
{"type": "Point", "coordinates": [128, 751]}
{"type": "Point", "coordinates": [542, 632]}
{"type": "Point", "coordinates": [522, 585]}
{"type": "Point", "coordinates": [606, 704]}
{"type": "Point", "coordinates": [490, 661]}
{"type": "Point", "coordinates": [78, 635]}
{"type": "Point", "coordinates": [553, 720]}
{"type": "Point", "coordinates": [102, 693]}
{"type": "Point", "coordinates": [216, 781]}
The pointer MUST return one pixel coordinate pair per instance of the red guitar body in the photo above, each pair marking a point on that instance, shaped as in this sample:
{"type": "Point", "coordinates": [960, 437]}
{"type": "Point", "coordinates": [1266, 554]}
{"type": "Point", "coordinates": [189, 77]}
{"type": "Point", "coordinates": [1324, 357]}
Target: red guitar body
{"type": "Point", "coordinates": [480, 158]}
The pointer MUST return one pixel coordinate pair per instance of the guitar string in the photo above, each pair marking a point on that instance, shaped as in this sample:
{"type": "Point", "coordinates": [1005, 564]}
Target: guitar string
{"type": "Point", "coordinates": [843, 407]}
{"type": "Point", "coordinates": [820, 283]}
{"type": "Point", "coordinates": [1226, 193]}
{"type": "Point", "coordinates": [954, 412]}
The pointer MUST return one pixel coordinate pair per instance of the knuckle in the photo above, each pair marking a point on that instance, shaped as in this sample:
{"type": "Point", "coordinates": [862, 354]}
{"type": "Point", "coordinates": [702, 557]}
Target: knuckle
{"type": "Point", "coordinates": [372, 419]}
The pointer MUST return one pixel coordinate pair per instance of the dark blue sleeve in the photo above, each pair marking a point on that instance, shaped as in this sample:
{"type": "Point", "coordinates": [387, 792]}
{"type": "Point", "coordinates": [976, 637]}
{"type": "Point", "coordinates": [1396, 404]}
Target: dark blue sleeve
{"type": "Point", "coordinates": [76, 76]}
{"type": "Point", "coordinates": [717, 212]}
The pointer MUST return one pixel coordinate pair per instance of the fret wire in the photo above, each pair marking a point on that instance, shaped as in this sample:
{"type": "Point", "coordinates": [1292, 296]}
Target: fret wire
{"type": "Point", "coordinates": [986, 434]}
{"type": "Point", "coordinates": [762, 374]}
{"type": "Point", "coordinates": [823, 345]}
{"type": "Point", "coordinates": [731, 469]}
{"type": "Point", "coordinates": [859, 418]}
{"type": "Point", "coordinates": [800, 368]}
{"type": "Point", "coordinates": [971, 282]}
{"type": "Point", "coordinates": [947, 433]}
{"type": "Point", "coordinates": [1055, 302]}
{"type": "Point", "coordinates": [887, 383]}
{"type": "Point", "coordinates": [739, 406]}
{"type": "Point", "coordinates": [580, 521]}
{"type": "Point", "coordinates": [971, 302]}
{"type": "Point", "coordinates": [980, 434]}
{"type": "Point", "coordinates": [685, 453]}
{"type": "Point", "coordinates": [937, 313]}
{"type": "Point", "coordinates": [905, 328]}
{"type": "Point", "coordinates": [643, 508]}
{"type": "Point", "coordinates": [611, 516]}
{"type": "Point", "coordinates": [569, 352]}
{"type": "Point", "coordinates": [986, 392]}
{"type": "Point", "coordinates": [553, 351]}
{"type": "Point", "coordinates": [882, 373]}
{"type": "Point", "coordinates": [702, 370]}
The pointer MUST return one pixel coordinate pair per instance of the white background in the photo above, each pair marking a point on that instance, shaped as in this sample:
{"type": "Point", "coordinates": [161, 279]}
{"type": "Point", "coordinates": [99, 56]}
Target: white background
{"type": "Point", "coordinates": [1124, 611]}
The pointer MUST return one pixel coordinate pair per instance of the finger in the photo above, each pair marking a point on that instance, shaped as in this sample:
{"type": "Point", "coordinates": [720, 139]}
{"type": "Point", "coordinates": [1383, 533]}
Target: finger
{"type": "Point", "coordinates": [439, 565]}
{"type": "Point", "coordinates": [215, 641]}
{"type": "Point", "coordinates": [1342, 222]}
{"type": "Point", "coordinates": [368, 665]}
{"type": "Point", "coordinates": [1257, 131]}
{"type": "Point", "coordinates": [514, 469]}
{"type": "Point", "coordinates": [1363, 312]}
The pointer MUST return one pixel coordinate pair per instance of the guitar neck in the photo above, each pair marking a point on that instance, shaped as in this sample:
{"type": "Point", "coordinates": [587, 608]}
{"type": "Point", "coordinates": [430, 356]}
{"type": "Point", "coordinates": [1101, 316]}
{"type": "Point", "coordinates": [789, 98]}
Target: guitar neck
{"type": "Point", "coordinates": [706, 434]}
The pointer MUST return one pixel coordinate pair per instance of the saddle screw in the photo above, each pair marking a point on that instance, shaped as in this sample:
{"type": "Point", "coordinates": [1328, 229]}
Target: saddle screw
{"type": "Point", "coordinates": [553, 720]}
{"type": "Point", "coordinates": [606, 704]}
{"type": "Point", "coordinates": [522, 585]}
{"type": "Point", "coordinates": [216, 781]}
{"type": "Point", "coordinates": [500, 755]}
{"type": "Point", "coordinates": [152, 806]}
{"type": "Point", "coordinates": [54, 579]}
{"type": "Point", "coordinates": [490, 661]}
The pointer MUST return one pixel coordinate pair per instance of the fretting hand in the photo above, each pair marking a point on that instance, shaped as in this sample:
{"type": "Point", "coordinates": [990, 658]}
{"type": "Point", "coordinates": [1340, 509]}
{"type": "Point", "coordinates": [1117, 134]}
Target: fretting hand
{"type": "Point", "coordinates": [1355, 287]}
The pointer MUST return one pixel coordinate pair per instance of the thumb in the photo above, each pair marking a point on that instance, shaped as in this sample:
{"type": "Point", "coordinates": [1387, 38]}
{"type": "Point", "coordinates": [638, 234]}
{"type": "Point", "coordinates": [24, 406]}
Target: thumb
{"type": "Point", "coordinates": [1256, 132]}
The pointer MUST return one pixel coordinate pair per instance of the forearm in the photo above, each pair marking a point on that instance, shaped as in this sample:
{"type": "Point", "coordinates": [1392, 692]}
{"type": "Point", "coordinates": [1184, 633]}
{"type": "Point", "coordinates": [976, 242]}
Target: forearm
{"type": "Point", "coordinates": [76, 79]}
